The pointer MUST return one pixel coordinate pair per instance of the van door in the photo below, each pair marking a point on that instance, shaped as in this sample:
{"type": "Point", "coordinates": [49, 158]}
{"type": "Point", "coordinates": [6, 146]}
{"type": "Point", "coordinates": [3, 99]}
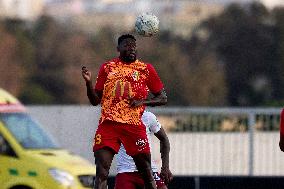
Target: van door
{"type": "Point", "coordinates": [9, 163]}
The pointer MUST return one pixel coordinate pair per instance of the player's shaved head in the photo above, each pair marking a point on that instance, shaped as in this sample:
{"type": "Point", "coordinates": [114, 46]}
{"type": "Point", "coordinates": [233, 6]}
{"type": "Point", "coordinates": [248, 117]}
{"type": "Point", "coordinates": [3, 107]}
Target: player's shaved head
{"type": "Point", "coordinates": [125, 36]}
{"type": "Point", "coordinates": [127, 48]}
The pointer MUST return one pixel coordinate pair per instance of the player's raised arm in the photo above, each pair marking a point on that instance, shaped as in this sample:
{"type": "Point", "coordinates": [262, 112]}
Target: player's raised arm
{"type": "Point", "coordinates": [94, 96]}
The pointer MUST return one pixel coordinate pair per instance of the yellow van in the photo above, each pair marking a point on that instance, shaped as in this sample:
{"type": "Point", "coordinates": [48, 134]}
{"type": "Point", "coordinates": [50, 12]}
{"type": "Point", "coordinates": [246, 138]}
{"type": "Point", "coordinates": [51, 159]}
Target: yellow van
{"type": "Point", "coordinates": [29, 159]}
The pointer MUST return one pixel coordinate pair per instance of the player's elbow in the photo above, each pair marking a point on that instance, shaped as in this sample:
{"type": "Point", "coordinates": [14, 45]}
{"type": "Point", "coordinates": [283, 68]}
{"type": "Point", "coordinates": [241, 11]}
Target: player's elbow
{"type": "Point", "coordinates": [94, 100]}
{"type": "Point", "coordinates": [281, 142]}
{"type": "Point", "coordinates": [94, 103]}
{"type": "Point", "coordinates": [163, 97]}
{"type": "Point", "coordinates": [281, 146]}
{"type": "Point", "coordinates": [164, 100]}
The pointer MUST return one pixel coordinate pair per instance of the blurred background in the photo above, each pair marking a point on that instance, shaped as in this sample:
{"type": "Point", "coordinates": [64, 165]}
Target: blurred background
{"type": "Point", "coordinates": [232, 50]}
{"type": "Point", "coordinates": [222, 63]}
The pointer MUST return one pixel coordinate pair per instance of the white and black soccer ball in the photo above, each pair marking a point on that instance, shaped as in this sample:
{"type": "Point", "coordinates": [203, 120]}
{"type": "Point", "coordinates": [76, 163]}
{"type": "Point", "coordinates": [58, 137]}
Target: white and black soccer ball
{"type": "Point", "coordinates": [147, 24]}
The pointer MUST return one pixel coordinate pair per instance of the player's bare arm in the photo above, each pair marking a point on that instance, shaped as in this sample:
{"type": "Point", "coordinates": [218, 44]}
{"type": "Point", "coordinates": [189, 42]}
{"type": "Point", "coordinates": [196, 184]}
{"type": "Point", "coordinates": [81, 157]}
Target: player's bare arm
{"type": "Point", "coordinates": [158, 99]}
{"type": "Point", "coordinates": [93, 95]}
{"type": "Point", "coordinates": [166, 174]}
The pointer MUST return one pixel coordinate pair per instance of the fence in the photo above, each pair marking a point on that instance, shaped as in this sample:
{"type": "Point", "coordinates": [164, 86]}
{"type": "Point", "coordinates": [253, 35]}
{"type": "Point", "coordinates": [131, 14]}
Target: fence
{"type": "Point", "coordinates": [223, 141]}
{"type": "Point", "coordinates": [204, 141]}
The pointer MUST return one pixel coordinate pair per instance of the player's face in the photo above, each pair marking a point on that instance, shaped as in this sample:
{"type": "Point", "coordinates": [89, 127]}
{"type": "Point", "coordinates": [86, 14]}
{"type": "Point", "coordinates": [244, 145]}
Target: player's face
{"type": "Point", "coordinates": [127, 50]}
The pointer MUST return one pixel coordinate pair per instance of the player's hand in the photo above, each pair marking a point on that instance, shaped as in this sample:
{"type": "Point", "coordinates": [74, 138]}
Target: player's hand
{"type": "Point", "coordinates": [87, 75]}
{"type": "Point", "coordinates": [135, 103]}
{"type": "Point", "coordinates": [166, 175]}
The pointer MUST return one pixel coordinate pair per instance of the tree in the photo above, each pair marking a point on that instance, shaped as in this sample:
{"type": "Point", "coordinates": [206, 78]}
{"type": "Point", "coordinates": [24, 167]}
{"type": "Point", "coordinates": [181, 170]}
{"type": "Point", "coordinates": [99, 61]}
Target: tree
{"type": "Point", "coordinates": [48, 77]}
{"type": "Point", "coordinates": [278, 17]}
{"type": "Point", "coordinates": [244, 40]}
{"type": "Point", "coordinates": [12, 73]}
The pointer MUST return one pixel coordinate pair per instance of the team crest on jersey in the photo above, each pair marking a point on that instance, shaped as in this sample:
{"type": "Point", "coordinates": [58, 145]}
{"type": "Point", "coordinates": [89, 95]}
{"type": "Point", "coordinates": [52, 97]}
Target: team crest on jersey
{"type": "Point", "coordinates": [135, 75]}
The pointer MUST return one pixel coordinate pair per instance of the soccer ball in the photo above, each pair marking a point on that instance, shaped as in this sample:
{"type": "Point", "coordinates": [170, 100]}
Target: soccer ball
{"type": "Point", "coordinates": [147, 24]}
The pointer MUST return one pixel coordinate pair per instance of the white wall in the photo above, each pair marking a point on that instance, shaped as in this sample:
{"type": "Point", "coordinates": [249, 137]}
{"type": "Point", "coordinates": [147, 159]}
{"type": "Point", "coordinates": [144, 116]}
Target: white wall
{"type": "Point", "coordinates": [208, 153]}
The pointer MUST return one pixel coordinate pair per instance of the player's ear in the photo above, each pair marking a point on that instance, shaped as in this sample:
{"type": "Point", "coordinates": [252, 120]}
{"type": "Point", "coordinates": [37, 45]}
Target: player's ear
{"type": "Point", "coordinates": [117, 48]}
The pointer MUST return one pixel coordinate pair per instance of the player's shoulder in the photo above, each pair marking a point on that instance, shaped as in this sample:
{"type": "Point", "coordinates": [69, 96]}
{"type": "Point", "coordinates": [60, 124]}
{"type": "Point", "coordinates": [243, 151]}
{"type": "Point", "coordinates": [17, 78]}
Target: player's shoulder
{"type": "Point", "coordinates": [139, 64]}
{"type": "Point", "coordinates": [111, 61]}
{"type": "Point", "coordinates": [146, 66]}
{"type": "Point", "coordinates": [148, 115]}
{"type": "Point", "coordinates": [150, 67]}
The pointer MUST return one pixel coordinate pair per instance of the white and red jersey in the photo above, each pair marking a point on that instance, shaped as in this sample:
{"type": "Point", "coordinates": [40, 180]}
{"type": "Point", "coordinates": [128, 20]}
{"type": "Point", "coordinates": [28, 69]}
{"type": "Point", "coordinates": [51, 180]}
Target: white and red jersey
{"type": "Point", "coordinates": [125, 163]}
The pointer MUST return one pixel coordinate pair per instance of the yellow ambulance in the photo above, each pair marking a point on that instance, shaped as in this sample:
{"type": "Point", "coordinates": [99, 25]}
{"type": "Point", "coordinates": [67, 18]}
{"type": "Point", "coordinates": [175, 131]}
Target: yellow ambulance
{"type": "Point", "coordinates": [29, 159]}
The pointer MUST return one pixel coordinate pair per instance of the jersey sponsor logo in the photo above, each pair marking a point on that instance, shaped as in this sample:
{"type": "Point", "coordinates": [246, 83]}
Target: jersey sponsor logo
{"type": "Point", "coordinates": [122, 89]}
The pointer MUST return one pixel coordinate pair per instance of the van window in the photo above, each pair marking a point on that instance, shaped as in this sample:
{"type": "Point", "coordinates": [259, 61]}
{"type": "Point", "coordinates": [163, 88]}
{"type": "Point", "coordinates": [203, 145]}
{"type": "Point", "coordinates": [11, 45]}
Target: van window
{"type": "Point", "coordinates": [27, 132]}
{"type": "Point", "coordinates": [5, 148]}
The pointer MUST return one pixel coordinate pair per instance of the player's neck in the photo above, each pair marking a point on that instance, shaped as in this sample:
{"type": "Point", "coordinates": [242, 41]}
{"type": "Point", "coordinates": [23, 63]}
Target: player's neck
{"type": "Point", "coordinates": [126, 61]}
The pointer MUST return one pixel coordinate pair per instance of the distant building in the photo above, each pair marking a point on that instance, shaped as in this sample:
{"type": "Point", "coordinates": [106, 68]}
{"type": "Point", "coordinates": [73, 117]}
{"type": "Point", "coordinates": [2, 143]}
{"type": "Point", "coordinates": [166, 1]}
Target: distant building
{"type": "Point", "coordinates": [22, 9]}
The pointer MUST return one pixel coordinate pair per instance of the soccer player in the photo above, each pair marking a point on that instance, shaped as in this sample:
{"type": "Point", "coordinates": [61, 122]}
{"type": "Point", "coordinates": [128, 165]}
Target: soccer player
{"type": "Point", "coordinates": [128, 177]}
{"type": "Point", "coordinates": [122, 88]}
{"type": "Point", "coordinates": [281, 142]}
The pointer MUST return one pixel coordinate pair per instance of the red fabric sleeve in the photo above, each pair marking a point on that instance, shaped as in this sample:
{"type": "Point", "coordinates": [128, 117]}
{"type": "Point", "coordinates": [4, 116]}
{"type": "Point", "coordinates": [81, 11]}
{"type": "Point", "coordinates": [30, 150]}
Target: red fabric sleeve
{"type": "Point", "coordinates": [282, 122]}
{"type": "Point", "coordinates": [102, 76]}
{"type": "Point", "coordinates": [154, 82]}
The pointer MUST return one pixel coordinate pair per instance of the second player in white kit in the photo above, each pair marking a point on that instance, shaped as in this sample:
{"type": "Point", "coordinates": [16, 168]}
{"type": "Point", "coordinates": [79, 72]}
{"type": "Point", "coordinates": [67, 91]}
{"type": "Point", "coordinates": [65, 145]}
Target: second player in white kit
{"type": "Point", "coordinates": [128, 176]}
